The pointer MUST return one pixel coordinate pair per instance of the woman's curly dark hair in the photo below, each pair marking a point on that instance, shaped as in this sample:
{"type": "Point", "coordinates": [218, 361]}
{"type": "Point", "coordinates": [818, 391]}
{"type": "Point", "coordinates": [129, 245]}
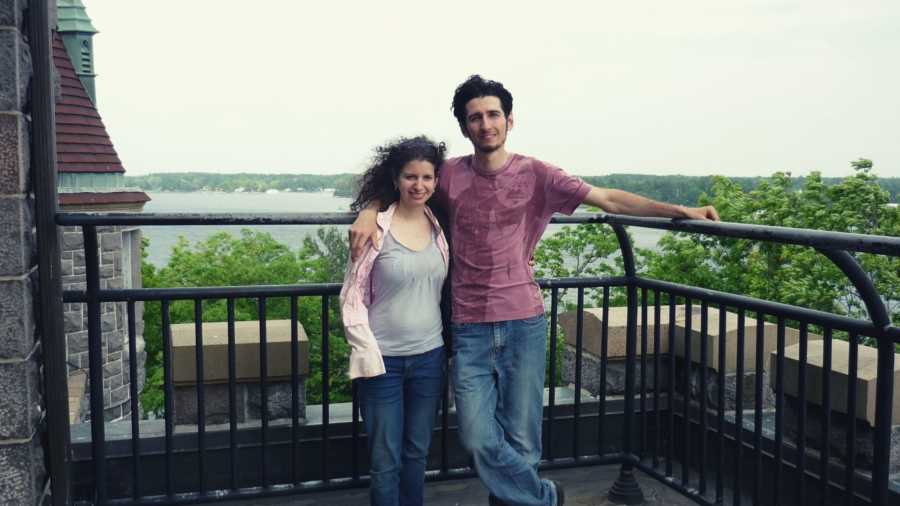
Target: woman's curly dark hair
{"type": "Point", "coordinates": [378, 182]}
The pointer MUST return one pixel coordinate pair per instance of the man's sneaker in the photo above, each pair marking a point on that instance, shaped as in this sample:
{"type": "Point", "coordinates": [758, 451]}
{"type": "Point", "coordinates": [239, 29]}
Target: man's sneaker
{"type": "Point", "coordinates": [493, 501]}
{"type": "Point", "coordinates": [560, 493]}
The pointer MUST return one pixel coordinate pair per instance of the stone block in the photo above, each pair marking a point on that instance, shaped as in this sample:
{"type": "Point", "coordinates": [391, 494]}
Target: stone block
{"type": "Point", "coordinates": [14, 55]}
{"type": "Point", "coordinates": [111, 241]}
{"type": "Point", "coordinates": [74, 321]}
{"type": "Point", "coordinates": [73, 240]}
{"type": "Point", "coordinates": [770, 342]}
{"type": "Point", "coordinates": [592, 379]}
{"type": "Point", "coordinates": [112, 368]}
{"type": "Point", "coordinates": [119, 395]}
{"type": "Point", "coordinates": [15, 236]}
{"type": "Point", "coordinates": [278, 398]}
{"type": "Point", "coordinates": [16, 319]}
{"type": "Point", "coordinates": [108, 322]}
{"type": "Point", "coordinates": [11, 12]}
{"type": "Point", "coordinates": [77, 342]}
{"type": "Point", "coordinates": [115, 341]}
{"type": "Point", "coordinates": [215, 351]}
{"type": "Point", "coordinates": [616, 331]}
{"type": "Point", "coordinates": [864, 453]}
{"type": "Point", "coordinates": [867, 375]}
{"type": "Point", "coordinates": [77, 386]}
{"type": "Point", "coordinates": [215, 402]}
{"type": "Point", "coordinates": [22, 472]}
{"type": "Point", "coordinates": [13, 154]}
{"type": "Point", "coordinates": [20, 409]}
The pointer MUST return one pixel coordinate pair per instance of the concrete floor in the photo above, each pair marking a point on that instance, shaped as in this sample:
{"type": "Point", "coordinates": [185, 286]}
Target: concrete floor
{"type": "Point", "coordinates": [584, 486]}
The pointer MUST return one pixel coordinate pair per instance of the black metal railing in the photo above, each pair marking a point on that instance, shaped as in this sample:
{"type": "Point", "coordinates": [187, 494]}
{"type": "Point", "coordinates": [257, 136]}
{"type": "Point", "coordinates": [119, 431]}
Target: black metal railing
{"type": "Point", "coordinates": [658, 426]}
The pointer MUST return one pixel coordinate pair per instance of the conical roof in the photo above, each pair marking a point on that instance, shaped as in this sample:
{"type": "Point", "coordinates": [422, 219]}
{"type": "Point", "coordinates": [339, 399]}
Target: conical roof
{"type": "Point", "coordinates": [72, 17]}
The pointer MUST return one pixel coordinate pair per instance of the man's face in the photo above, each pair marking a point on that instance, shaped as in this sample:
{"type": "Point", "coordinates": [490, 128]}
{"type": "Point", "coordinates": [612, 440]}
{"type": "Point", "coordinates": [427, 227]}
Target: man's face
{"type": "Point", "coordinates": [486, 125]}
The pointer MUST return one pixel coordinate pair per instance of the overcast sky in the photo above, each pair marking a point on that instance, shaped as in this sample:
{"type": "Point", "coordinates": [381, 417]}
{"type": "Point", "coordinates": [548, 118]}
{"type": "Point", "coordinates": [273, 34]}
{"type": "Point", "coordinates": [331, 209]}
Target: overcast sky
{"type": "Point", "coordinates": [691, 87]}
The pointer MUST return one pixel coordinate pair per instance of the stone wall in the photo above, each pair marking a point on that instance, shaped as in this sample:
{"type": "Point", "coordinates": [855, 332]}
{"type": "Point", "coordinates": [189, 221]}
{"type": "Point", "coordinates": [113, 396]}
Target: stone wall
{"type": "Point", "coordinates": [114, 271]}
{"type": "Point", "coordinates": [22, 472]}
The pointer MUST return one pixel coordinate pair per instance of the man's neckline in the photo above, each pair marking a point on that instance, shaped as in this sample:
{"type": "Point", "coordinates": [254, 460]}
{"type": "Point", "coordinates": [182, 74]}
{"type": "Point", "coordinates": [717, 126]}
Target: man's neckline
{"type": "Point", "coordinates": [473, 162]}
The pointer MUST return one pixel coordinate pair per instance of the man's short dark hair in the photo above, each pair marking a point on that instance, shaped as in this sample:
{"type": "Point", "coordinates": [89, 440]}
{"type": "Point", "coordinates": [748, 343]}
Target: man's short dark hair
{"type": "Point", "coordinates": [476, 87]}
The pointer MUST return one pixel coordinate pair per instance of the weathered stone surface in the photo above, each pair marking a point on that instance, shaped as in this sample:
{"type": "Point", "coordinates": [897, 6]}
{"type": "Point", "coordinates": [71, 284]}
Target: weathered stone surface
{"type": "Point", "coordinates": [16, 319]}
{"type": "Point", "coordinates": [11, 12]}
{"type": "Point", "coordinates": [14, 55]}
{"type": "Point", "coordinates": [837, 434]}
{"type": "Point", "coordinates": [20, 406]}
{"type": "Point", "coordinates": [119, 395]}
{"type": "Point", "coordinates": [77, 342]}
{"type": "Point", "coordinates": [115, 341]}
{"type": "Point", "coordinates": [278, 396]}
{"type": "Point", "coordinates": [21, 472]}
{"type": "Point", "coordinates": [867, 375]}
{"type": "Point", "coordinates": [112, 368]}
{"type": "Point", "coordinates": [748, 392]}
{"type": "Point", "coordinates": [15, 236]}
{"type": "Point", "coordinates": [72, 240]}
{"type": "Point", "coordinates": [215, 401]}
{"type": "Point", "coordinates": [591, 378]}
{"type": "Point", "coordinates": [111, 241]}
{"type": "Point", "coordinates": [13, 153]}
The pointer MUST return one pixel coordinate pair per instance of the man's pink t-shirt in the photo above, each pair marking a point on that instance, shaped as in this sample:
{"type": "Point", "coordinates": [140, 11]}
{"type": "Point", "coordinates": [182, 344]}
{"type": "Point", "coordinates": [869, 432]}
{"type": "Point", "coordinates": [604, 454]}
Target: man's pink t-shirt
{"type": "Point", "coordinates": [496, 221]}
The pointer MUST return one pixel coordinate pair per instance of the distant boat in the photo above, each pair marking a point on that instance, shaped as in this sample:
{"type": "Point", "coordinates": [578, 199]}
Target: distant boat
{"type": "Point", "coordinates": [272, 190]}
{"type": "Point", "coordinates": [239, 190]}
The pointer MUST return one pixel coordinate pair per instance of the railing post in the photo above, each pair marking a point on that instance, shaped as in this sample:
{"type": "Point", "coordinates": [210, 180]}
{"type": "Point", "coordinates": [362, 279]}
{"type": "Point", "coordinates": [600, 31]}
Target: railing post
{"type": "Point", "coordinates": [884, 393]}
{"type": "Point", "coordinates": [43, 156]}
{"type": "Point", "coordinates": [626, 489]}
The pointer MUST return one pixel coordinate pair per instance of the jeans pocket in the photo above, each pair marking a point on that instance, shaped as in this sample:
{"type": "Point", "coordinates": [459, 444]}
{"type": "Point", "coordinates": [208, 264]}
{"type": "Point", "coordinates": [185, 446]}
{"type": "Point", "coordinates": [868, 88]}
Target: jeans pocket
{"type": "Point", "coordinates": [534, 320]}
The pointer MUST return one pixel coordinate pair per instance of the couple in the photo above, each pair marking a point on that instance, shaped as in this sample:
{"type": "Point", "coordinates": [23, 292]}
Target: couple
{"type": "Point", "coordinates": [498, 204]}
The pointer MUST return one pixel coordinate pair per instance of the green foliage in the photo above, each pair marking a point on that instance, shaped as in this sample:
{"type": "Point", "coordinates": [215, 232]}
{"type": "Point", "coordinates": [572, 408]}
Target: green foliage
{"type": "Point", "coordinates": [253, 258]}
{"type": "Point", "coordinates": [783, 273]}
{"type": "Point", "coordinates": [686, 190]}
{"type": "Point", "coordinates": [582, 250]}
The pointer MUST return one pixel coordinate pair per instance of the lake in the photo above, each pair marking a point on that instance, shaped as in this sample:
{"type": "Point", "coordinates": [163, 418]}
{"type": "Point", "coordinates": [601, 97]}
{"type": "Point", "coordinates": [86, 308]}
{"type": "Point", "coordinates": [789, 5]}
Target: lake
{"type": "Point", "coordinates": [163, 238]}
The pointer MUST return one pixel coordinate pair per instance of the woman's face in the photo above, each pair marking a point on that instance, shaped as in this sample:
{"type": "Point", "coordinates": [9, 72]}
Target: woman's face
{"type": "Point", "coordinates": [416, 183]}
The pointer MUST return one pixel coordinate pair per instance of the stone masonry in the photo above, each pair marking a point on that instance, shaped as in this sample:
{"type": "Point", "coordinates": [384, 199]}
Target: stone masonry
{"type": "Point", "coordinates": [113, 319]}
{"type": "Point", "coordinates": [22, 471]}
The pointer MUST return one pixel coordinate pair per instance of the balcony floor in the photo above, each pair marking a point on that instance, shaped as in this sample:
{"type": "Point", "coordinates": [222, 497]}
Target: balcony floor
{"type": "Point", "coordinates": [583, 485]}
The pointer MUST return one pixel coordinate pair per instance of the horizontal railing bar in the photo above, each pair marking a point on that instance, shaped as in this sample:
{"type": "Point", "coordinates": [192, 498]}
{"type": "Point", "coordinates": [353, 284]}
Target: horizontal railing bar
{"type": "Point", "coordinates": [206, 292]}
{"type": "Point", "coordinates": [221, 292]}
{"type": "Point", "coordinates": [774, 308]}
{"type": "Point", "coordinates": [824, 239]}
{"type": "Point", "coordinates": [98, 219]}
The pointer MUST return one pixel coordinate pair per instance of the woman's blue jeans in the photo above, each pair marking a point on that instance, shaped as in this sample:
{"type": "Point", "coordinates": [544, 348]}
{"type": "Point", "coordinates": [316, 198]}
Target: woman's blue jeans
{"type": "Point", "coordinates": [498, 381]}
{"type": "Point", "coordinates": [399, 409]}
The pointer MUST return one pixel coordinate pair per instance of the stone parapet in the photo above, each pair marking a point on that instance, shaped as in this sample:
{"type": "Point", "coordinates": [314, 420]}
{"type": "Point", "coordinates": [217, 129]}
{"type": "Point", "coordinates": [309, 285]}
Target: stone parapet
{"type": "Point", "coordinates": [247, 347]}
{"type": "Point", "coordinates": [867, 376]}
{"type": "Point", "coordinates": [248, 392]}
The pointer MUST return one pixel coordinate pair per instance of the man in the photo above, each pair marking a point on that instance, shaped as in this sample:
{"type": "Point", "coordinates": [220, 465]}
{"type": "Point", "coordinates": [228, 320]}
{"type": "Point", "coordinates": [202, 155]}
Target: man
{"type": "Point", "coordinates": [499, 204]}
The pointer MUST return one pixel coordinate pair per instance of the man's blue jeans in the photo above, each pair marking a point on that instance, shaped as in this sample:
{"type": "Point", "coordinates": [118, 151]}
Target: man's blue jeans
{"type": "Point", "coordinates": [399, 409]}
{"type": "Point", "coordinates": [498, 380]}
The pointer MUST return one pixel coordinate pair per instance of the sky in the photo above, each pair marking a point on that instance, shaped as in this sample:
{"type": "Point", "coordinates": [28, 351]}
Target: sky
{"type": "Point", "coordinates": [737, 88]}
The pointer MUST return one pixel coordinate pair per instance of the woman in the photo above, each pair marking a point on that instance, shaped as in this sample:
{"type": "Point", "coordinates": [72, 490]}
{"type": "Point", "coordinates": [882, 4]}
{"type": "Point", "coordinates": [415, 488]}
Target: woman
{"type": "Point", "coordinates": [390, 304]}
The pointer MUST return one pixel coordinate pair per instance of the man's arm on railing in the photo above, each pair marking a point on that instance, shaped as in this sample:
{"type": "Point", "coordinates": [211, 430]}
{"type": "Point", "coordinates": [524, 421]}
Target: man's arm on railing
{"type": "Point", "coordinates": [622, 202]}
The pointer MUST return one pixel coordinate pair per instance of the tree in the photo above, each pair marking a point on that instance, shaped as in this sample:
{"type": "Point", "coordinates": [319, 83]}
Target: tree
{"type": "Point", "coordinates": [789, 274]}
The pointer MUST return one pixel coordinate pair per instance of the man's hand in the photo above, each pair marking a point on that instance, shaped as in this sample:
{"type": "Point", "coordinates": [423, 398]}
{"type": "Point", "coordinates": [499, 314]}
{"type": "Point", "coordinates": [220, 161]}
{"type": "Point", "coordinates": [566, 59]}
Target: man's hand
{"type": "Point", "coordinates": [361, 232]}
{"type": "Point", "coordinates": [701, 213]}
